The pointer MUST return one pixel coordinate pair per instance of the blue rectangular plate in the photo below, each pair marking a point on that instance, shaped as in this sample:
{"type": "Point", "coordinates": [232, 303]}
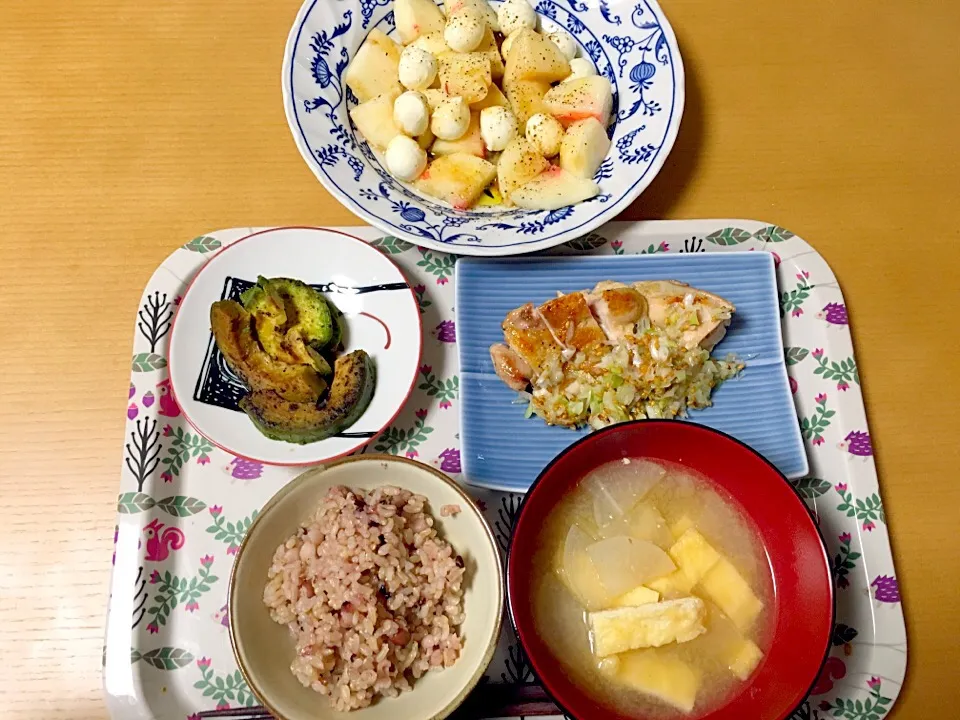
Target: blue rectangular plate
{"type": "Point", "coordinates": [502, 450]}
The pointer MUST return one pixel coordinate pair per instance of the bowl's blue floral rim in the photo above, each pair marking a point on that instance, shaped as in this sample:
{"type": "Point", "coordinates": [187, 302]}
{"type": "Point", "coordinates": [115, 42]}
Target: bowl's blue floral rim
{"type": "Point", "coordinates": [646, 114]}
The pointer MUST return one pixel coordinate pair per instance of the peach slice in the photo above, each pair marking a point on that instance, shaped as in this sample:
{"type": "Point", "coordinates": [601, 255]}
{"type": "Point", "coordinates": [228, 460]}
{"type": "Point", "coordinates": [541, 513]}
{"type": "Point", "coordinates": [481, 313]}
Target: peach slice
{"type": "Point", "coordinates": [374, 68]}
{"type": "Point", "coordinates": [433, 43]}
{"type": "Point", "coordinates": [471, 143]}
{"type": "Point", "coordinates": [519, 163]}
{"type": "Point", "coordinates": [374, 119]}
{"type": "Point", "coordinates": [534, 57]}
{"type": "Point", "coordinates": [417, 17]}
{"type": "Point", "coordinates": [457, 179]}
{"type": "Point", "coordinates": [494, 97]}
{"type": "Point", "coordinates": [526, 98]}
{"type": "Point", "coordinates": [580, 99]}
{"type": "Point", "coordinates": [466, 75]}
{"type": "Point", "coordinates": [583, 148]}
{"type": "Point", "coordinates": [554, 188]}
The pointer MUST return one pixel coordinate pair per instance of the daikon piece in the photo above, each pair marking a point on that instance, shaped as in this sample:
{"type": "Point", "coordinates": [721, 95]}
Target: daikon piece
{"type": "Point", "coordinates": [622, 563]}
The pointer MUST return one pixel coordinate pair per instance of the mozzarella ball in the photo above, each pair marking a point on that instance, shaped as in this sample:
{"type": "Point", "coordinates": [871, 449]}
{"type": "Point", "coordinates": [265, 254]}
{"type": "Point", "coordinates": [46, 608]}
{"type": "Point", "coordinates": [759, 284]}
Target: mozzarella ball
{"type": "Point", "coordinates": [451, 119]}
{"type": "Point", "coordinates": [581, 68]}
{"type": "Point", "coordinates": [498, 126]}
{"type": "Point", "coordinates": [564, 40]}
{"type": "Point", "coordinates": [506, 45]}
{"type": "Point", "coordinates": [546, 133]}
{"type": "Point", "coordinates": [411, 113]}
{"type": "Point", "coordinates": [406, 160]}
{"type": "Point", "coordinates": [515, 15]}
{"type": "Point", "coordinates": [465, 30]}
{"type": "Point", "coordinates": [417, 69]}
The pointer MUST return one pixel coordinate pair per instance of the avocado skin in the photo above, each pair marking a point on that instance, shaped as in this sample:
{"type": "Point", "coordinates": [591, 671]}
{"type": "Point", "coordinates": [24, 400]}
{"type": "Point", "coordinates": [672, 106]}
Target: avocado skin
{"type": "Point", "coordinates": [234, 335]}
{"type": "Point", "coordinates": [351, 390]}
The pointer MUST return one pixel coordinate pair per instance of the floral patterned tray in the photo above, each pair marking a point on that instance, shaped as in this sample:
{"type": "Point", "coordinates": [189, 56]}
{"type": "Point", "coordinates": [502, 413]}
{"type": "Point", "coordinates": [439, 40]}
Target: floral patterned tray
{"type": "Point", "coordinates": [184, 505]}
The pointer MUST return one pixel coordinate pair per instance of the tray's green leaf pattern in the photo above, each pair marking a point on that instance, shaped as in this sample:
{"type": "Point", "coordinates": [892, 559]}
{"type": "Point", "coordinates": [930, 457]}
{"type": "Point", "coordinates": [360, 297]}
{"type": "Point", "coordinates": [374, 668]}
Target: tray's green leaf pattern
{"type": "Point", "coordinates": [794, 355]}
{"type": "Point", "coordinates": [223, 687]}
{"type": "Point", "coordinates": [131, 503]}
{"type": "Point", "coordinates": [844, 561]}
{"type": "Point", "coordinates": [397, 440]}
{"type": "Point", "coordinates": [867, 510]}
{"type": "Point", "coordinates": [229, 532]}
{"type": "Point", "coordinates": [844, 372]}
{"type": "Point", "coordinates": [728, 236]}
{"type": "Point", "coordinates": [446, 391]}
{"type": "Point", "coordinates": [588, 242]}
{"type": "Point", "coordinates": [437, 264]}
{"type": "Point", "coordinates": [811, 488]}
{"type": "Point", "coordinates": [392, 245]}
{"type": "Point", "coordinates": [183, 447]}
{"type": "Point", "coordinates": [173, 591]}
{"type": "Point", "coordinates": [813, 427]}
{"type": "Point", "coordinates": [181, 505]}
{"type": "Point", "coordinates": [164, 658]}
{"type": "Point", "coordinates": [203, 244]}
{"type": "Point", "coordinates": [773, 233]}
{"type": "Point", "coordinates": [843, 634]}
{"type": "Point", "coordinates": [873, 708]}
{"type": "Point", "coordinates": [145, 362]}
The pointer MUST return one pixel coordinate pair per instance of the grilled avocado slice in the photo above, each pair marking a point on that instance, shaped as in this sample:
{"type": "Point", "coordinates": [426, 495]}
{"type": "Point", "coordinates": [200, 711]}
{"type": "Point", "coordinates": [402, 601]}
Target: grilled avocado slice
{"type": "Point", "coordinates": [351, 390]}
{"type": "Point", "coordinates": [291, 319]}
{"type": "Point", "coordinates": [234, 335]}
{"type": "Point", "coordinates": [269, 319]}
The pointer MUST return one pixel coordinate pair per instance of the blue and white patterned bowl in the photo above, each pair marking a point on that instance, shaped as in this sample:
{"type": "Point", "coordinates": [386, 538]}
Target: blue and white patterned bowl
{"type": "Point", "coordinates": [630, 42]}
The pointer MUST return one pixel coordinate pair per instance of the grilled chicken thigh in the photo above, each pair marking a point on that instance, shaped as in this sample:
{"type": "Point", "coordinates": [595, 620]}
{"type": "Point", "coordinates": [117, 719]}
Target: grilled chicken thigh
{"type": "Point", "coordinates": [571, 322]}
{"type": "Point", "coordinates": [567, 345]}
{"type": "Point", "coordinates": [670, 301]}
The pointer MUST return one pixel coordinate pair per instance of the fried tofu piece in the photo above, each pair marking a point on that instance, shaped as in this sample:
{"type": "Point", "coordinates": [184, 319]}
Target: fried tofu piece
{"type": "Point", "coordinates": [670, 301]}
{"type": "Point", "coordinates": [648, 625]}
{"type": "Point", "coordinates": [667, 678]}
{"type": "Point", "coordinates": [528, 336]}
{"type": "Point", "coordinates": [572, 323]}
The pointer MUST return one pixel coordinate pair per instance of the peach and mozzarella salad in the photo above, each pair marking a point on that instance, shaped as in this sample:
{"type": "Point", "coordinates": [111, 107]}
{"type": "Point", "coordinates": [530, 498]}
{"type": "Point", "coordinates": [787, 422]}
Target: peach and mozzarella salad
{"type": "Point", "coordinates": [479, 107]}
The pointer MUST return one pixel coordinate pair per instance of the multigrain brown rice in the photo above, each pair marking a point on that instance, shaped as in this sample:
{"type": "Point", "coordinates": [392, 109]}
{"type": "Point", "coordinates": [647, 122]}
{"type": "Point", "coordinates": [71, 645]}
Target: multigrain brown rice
{"type": "Point", "coordinates": [371, 594]}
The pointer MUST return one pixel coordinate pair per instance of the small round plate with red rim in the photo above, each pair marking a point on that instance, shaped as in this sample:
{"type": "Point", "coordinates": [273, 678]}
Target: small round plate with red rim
{"type": "Point", "coordinates": [380, 316]}
{"type": "Point", "coordinates": [803, 597]}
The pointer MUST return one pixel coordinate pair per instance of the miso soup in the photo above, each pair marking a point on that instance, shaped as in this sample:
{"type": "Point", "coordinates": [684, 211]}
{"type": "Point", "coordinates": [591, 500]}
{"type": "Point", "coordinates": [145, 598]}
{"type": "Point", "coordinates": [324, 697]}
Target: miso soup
{"type": "Point", "coordinates": [655, 592]}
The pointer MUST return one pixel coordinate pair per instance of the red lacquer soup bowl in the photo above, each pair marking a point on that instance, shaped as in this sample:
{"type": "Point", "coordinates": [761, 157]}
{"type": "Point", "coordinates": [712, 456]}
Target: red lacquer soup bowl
{"type": "Point", "coordinates": [803, 598]}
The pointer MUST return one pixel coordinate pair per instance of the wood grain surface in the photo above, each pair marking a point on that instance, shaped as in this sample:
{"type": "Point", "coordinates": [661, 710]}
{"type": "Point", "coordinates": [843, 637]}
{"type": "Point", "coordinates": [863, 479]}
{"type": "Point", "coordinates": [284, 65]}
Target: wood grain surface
{"type": "Point", "coordinates": [127, 128]}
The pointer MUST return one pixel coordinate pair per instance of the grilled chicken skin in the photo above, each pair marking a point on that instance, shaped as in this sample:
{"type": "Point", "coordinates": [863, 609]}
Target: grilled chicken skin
{"type": "Point", "coordinates": [510, 367]}
{"type": "Point", "coordinates": [571, 322]}
{"type": "Point", "coordinates": [529, 337]}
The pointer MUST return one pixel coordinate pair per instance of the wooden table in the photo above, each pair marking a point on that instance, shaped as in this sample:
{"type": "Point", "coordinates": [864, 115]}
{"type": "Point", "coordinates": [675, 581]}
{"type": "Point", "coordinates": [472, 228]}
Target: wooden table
{"type": "Point", "coordinates": [127, 128]}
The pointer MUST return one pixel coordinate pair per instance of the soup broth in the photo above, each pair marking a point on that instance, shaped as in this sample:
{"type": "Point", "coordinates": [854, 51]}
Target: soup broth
{"type": "Point", "coordinates": [655, 592]}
